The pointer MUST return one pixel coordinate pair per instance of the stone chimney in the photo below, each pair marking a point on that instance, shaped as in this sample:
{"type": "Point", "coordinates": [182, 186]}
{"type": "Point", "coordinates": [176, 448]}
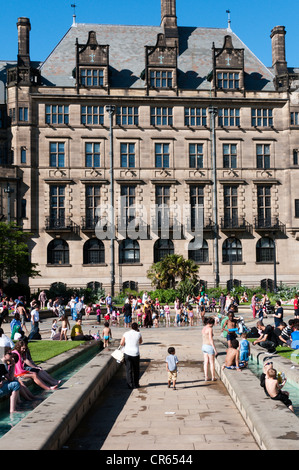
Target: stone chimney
{"type": "Point", "coordinates": [24, 28]}
{"type": "Point", "coordinates": [279, 62]}
{"type": "Point", "coordinates": [169, 22]}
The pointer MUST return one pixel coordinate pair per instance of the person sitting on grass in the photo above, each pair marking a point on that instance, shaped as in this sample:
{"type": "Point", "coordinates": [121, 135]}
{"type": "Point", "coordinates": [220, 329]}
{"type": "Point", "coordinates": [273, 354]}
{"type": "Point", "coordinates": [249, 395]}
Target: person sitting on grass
{"type": "Point", "coordinates": [232, 360]}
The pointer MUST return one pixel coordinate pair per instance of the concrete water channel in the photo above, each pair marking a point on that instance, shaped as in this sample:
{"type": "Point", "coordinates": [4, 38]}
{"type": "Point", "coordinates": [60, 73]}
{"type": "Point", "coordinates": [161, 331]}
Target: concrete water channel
{"type": "Point", "coordinates": [62, 419]}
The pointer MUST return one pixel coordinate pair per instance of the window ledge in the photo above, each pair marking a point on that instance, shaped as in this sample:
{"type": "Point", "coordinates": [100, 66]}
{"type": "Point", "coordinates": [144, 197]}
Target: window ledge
{"type": "Point", "coordinates": [227, 263]}
{"type": "Point", "coordinates": [130, 264]}
{"type": "Point", "coordinates": [59, 265]}
{"type": "Point", "coordinates": [91, 265]}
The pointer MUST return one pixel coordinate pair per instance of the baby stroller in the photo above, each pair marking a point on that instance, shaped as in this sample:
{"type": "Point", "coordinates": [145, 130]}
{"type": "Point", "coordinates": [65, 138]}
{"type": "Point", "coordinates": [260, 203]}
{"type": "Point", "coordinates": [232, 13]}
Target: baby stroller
{"type": "Point", "coordinates": [242, 328]}
{"type": "Point", "coordinates": [268, 308]}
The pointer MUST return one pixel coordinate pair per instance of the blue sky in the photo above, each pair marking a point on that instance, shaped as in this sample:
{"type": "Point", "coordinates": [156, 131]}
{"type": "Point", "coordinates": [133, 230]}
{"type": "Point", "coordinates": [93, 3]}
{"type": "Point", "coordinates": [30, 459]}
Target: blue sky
{"type": "Point", "coordinates": [251, 20]}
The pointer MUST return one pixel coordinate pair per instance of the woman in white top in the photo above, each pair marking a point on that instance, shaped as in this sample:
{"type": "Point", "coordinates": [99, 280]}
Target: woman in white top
{"type": "Point", "coordinates": [131, 341]}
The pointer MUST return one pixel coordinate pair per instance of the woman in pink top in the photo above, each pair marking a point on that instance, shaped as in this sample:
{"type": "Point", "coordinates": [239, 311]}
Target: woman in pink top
{"type": "Point", "coordinates": [21, 372]}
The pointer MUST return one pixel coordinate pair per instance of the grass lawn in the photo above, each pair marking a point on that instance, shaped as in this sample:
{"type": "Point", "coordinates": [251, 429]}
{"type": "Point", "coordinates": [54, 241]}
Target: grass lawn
{"type": "Point", "coordinates": [42, 351]}
{"type": "Point", "coordinates": [287, 353]}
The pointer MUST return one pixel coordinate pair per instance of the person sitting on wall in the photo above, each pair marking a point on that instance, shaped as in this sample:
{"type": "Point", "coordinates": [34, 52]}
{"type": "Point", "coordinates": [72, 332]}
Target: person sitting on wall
{"type": "Point", "coordinates": [77, 332]}
{"type": "Point", "coordinates": [232, 360]}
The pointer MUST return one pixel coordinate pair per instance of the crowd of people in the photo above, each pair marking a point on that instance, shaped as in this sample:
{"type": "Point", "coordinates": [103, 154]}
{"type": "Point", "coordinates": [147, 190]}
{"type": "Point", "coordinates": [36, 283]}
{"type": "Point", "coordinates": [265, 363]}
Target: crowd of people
{"type": "Point", "coordinates": [143, 312]}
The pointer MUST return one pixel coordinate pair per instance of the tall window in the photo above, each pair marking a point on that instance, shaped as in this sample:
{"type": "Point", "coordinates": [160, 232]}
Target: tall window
{"type": "Point", "coordinates": [57, 154]}
{"type": "Point", "coordinates": [161, 116]}
{"type": "Point", "coordinates": [295, 118]}
{"type": "Point", "coordinates": [265, 250]}
{"type": "Point", "coordinates": [229, 117]}
{"type": "Point", "coordinates": [2, 118]}
{"type": "Point", "coordinates": [129, 251]}
{"type": "Point", "coordinates": [229, 156]}
{"type": "Point", "coordinates": [92, 155]}
{"type": "Point", "coordinates": [162, 248]}
{"type": "Point", "coordinates": [58, 252]}
{"type": "Point", "coordinates": [23, 114]}
{"type": "Point", "coordinates": [263, 156]}
{"type": "Point", "coordinates": [232, 251]}
{"type": "Point", "coordinates": [228, 80]}
{"type": "Point", "coordinates": [196, 201]}
{"type": "Point", "coordinates": [127, 115]}
{"type": "Point", "coordinates": [264, 206]}
{"type": "Point", "coordinates": [201, 255]}
{"type": "Point", "coordinates": [296, 208]}
{"type": "Point", "coordinates": [161, 79]}
{"type": "Point", "coordinates": [127, 155]}
{"type": "Point", "coordinates": [261, 117]}
{"type": "Point", "coordinates": [163, 203]}
{"type": "Point", "coordinates": [92, 77]}
{"type": "Point", "coordinates": [196, 155]}
{"type": "Point", "coordinates": [295, 157]}
{"type": "Point", "coordinates": [93, 252]}
{"type": "Point", "coordinates": [92, 201]}
{"type": "Point", "coordinates": [128, 194]}
{"type": "Point", "coordinates": [195, 116]}
{"type": "Point", "coordinates": [57, 205]}
{"type": "Point", "coordinates": [230, 206]}
{"type": "Point", "coordinates": [92, 115]}
{"type": "Point", "coordinates": [23, 155]}
{"type": "Point", "coordinates": [57, 114]}
{"type": "Point", "coordinates": [162, 155]}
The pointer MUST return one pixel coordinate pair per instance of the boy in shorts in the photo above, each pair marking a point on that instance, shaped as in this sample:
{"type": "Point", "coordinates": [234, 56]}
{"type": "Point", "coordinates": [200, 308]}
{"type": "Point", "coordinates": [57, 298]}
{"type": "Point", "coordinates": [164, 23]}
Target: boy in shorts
{"type": "Point", "coordinates": [171, 367]}
{"type": "Point", "coordinates": [273, 389]}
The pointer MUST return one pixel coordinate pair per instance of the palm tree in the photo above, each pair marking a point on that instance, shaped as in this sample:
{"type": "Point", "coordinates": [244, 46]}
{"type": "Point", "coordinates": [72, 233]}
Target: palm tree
{"type": "Point", "coordinates": [166, 273]}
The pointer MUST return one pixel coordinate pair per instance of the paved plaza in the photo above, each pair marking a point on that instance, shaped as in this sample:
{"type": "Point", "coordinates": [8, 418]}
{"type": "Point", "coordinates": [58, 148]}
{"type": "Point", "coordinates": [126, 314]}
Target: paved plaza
{"type": "Point", "coordinates": [198, 415]}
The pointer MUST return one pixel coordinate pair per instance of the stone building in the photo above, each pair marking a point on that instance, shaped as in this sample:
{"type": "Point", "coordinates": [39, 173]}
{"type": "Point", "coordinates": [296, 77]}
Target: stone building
{"type": "Point", "coordinates": [161, 121]}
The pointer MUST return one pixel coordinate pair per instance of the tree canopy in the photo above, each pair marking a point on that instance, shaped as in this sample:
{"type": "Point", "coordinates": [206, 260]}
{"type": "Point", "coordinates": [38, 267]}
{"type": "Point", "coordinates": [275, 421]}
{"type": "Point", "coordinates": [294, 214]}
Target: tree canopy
{"type": "Point", "coordinates": [14, 253]}
{"type": "Point", "coordinates": [165, 274]}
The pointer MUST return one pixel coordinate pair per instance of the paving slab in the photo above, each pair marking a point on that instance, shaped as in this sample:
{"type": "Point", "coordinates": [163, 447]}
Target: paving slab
{"type": "Point", "coordinates": [196, 414]}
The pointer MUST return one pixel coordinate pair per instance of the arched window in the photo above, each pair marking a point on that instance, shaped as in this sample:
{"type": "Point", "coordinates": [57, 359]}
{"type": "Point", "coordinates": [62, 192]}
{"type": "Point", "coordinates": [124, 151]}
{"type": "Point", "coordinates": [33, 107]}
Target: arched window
{"type": "Point", "coordinates": [132, 285]}
{"type": "Point", "coordinates": [129, 251]}
{"type": "Point", "coordinates": [265, 250]}
{"type": "Point", "coordinates": [93, 252]}
{"type": "Point", "coordinates": [58, 252]}
{"type": "Point", "coordinates": [162, 248]}
{"type": "Point", "coordinates": [201, 255]}
{"type": "Point", "coordinates": [267, 285]}
{"type": "Point", "coordinates": [231, 250]}
{"type": "Point", "coordinates": [95, 286]}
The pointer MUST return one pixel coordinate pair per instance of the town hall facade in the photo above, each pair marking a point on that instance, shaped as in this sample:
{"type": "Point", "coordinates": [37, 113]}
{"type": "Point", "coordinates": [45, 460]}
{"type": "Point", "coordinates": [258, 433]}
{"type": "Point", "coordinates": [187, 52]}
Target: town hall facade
{"type": "Point", "coordinates": [135, 123]}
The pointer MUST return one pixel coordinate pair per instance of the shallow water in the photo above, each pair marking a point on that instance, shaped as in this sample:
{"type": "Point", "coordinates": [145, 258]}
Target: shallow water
{"type": "Point", "coordinates": [290, 386]}
{"type": "Point", "coordinates": [8, 421]}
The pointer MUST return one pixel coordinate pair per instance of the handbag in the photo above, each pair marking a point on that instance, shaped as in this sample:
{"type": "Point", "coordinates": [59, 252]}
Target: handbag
{"type": "Point", "coordinates": [118, 355]}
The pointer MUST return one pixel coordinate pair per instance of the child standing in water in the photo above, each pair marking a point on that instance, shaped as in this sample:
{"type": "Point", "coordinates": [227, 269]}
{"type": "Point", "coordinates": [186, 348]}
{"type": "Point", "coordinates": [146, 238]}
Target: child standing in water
{"type": "Point", "coordinates": [106, 334]}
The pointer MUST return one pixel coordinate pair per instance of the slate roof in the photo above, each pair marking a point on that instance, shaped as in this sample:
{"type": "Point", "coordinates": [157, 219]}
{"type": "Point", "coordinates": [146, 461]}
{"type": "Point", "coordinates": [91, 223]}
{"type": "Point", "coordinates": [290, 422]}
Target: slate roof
{"type": "Point", "coordinates": [127, 56]}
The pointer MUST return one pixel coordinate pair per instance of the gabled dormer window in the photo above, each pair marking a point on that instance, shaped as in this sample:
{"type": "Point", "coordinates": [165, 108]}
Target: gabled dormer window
{"type": "Point", "coordinates": [228, 80]}
{"type": "Point", "coordinates": [91, 77]}
{"type": "Point", "coordinates": [161, 65]}
{"type": "Point", "coordinates": [92, 63]}
{"type": "Point", "coordinates": [161, 78]}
